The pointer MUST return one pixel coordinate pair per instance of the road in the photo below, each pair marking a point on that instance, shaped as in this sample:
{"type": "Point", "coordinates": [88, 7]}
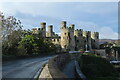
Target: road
{"type": "Point", "coordinates": [24, 68]}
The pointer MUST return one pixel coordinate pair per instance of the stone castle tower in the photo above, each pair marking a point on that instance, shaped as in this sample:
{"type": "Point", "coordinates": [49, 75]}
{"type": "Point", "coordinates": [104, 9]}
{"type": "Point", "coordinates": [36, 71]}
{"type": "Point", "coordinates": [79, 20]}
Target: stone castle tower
{"type": "Point", "coordinates": [67, 36]}
{"type": "Point", "coordinates": [43, 29]}
{"type": "Point", "coordinates": [95, 39]}
{"type": "Point", "coordinates": [69, 39]}
{"type": "Point", "coordinates": [79, 39]}
{"type": "Point", "coordinates": [50, 31]}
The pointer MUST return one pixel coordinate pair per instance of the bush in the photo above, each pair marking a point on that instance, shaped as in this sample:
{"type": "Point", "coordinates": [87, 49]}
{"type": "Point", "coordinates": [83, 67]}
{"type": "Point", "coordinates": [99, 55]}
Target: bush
{"type": "Point", "coordinates": [93, 66]}
{"type": "Point", "coordinates": [35, 45]}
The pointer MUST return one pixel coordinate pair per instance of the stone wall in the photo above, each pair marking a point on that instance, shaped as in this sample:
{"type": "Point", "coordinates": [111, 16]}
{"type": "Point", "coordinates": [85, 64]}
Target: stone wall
{"type": "Point", "coordinates": [55, 65]}
{"type": "Point", "coordinates": [101, 53]}
{"type": "Point", "coordinates": [53, 69]}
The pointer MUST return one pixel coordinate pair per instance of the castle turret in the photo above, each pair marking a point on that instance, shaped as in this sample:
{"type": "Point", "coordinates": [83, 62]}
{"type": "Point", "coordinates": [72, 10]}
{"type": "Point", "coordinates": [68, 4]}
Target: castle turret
{"type": "Point", "coordinates": [71, 38]}
{"type": "Point", "coordinates": [64, 36]}
{"type": "Point", "coordinates": [50, 31]}
{"type": "Point", "coordinates": [72, 26]}
{"type": "Point", "coordinates": [79, 41]}
{"type": "Point", "coordinates": [88, 38]}
{"type": "Point", "coordinates": [43, 29]}
{"type": "Point", "coordinates": [93, 40]}
{"type": "Point", "coordinates": [97, 39]}
{"type": "Point", "coordinates": [63, 24]}
{"type": "Point", "coordinates": [34, 30]}
{"type": "Point", "coordinates": [93, 35]}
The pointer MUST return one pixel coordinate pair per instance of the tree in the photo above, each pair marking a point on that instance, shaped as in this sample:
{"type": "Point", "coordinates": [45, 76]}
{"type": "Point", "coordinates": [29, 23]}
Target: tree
{"type": "Point", "coordinates": [36, 45]}
{"type": "Point", "coordinates": [29, 43]}
{"type": "Point", "coordinates": [49, 46]}
{"type": "Point", "coordinates": [16, 41]}
{"type": "Point", "coordinates": [10, 29]}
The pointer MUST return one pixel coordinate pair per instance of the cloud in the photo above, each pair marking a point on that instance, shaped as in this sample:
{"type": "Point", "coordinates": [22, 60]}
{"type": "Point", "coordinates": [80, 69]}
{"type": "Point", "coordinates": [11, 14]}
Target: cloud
{"type": "Point", "coordinates": [101, 17]}
{"type": "Point", "coordinates": [107, 32]}
{"type": "Point", "coordinates": [59, 0]}
{"type": "Point", "coordinates": [53, 9]}
{"type": "Point", "coordinates": [97, 8]}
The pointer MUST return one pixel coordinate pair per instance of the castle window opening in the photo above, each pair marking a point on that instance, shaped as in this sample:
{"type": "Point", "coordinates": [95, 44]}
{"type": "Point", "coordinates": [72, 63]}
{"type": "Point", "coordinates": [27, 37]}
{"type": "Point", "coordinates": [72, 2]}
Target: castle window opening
{"type": "Point", "coordinates": [65, 33]}
{"type": "Point", "coordinates": [97, 37]}
{"type": "Point", "coordinates": [38, 28]}
{"type": "Point", "coordinates": [81, 34]}
{"type": "Point", "coordinates": [77, 40]}
{"type": "Point", "coordinates": [65, 46]}
{"type": "Point", "coordinates": [69, 35]}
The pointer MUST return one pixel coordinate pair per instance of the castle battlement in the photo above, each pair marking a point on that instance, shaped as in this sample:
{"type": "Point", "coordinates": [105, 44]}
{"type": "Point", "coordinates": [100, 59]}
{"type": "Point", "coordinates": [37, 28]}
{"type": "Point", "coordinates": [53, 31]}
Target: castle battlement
{"type": "Point", "coordinates": [69, 39]}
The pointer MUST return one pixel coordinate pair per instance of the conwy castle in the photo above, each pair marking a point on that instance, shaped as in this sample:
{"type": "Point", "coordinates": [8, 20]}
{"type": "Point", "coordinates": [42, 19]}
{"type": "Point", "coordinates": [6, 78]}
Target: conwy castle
{"type": "Point", "coordinates": [69, 39]}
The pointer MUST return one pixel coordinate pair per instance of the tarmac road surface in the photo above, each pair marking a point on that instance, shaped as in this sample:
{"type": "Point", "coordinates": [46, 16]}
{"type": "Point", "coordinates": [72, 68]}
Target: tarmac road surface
{"type": "Point", "coordinates": [23, 68]}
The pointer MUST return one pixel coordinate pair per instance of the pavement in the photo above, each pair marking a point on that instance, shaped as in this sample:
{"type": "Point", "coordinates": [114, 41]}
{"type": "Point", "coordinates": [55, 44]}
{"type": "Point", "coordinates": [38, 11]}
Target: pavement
{"type": "Point", "coordinates": [69, 69]}
{"type": "Point", "coordinates": [24, 68]}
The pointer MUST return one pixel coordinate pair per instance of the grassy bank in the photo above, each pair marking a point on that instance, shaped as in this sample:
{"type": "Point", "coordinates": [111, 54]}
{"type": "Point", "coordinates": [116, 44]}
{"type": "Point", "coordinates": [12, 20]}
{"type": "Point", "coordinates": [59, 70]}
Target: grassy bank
{"type": "Point", "coordinates": [97, 68]}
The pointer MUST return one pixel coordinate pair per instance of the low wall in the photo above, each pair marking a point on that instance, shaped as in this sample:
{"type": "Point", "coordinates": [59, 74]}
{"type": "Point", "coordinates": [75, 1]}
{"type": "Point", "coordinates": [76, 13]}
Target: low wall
{"type": "Point", "coordinates": [53, 69]}
{"type": "Point", "coordinates": [55, 65]}
{"type": "Point", "coordinates": [78, 72]}
{"type": "Point", "coordinates": [101, 53]}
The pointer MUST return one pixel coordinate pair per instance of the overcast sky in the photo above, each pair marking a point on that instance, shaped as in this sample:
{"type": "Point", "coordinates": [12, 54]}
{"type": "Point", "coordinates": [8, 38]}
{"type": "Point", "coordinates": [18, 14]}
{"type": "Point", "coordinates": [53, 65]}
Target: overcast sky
{"type": "Point", "coordinates": [93, 16]}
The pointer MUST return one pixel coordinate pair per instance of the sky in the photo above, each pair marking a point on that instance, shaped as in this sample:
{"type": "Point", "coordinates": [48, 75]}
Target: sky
{"type": "Point", "coordinates": [89, 16]}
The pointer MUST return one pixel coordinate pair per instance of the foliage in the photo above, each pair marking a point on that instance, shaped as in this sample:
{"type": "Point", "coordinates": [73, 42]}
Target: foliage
{"type": "Point", "coordinates": [8, 25]}
{"type": "Point", "coordinates": [35, 45]}
{"type": "Point", "coordinates": [89, 54]}
{"type": "Point", "coordinates": [10, 29]}
{"type": "Point", "coordinates": [117, 48]}
{"type": "Point", "coordinates": [106, 44]}
{"type": "Point", "coordinates": [16, 41]}
{"type": "Point", "coordinates": [94, 67]}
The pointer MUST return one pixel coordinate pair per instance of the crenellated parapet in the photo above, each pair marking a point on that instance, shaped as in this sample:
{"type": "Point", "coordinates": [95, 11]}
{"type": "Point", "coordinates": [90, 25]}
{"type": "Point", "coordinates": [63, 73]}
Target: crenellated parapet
{"type": "Point", "coordinates": [78, 32]}
{"type": "Point", "coordinates": [63, 24]}
{"type": "Point", "coordinates": [34, 30]}
{"type": "Point", "coordinates": [69, 38]}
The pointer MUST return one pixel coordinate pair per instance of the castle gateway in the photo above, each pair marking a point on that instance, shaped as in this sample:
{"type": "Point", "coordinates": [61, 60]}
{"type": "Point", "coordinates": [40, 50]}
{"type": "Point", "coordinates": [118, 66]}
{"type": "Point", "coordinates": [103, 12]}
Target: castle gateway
{"type": "Point", "coordinates": [69, 39]}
